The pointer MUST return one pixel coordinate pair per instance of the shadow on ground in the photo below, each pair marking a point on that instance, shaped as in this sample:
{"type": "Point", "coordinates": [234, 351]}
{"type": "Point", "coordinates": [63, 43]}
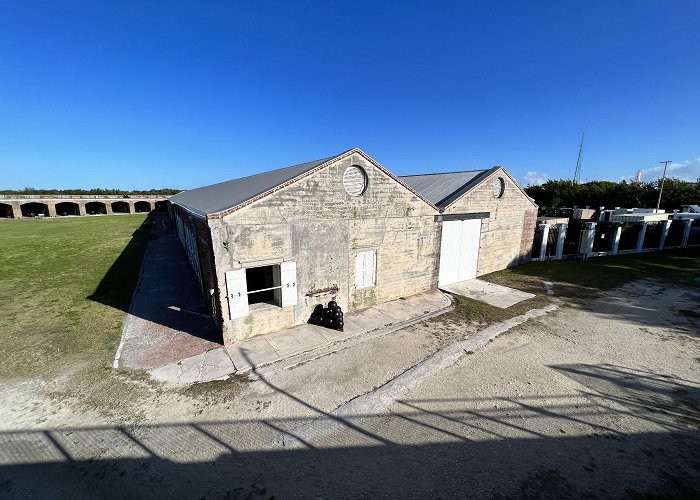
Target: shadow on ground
{"type": "Point", "coordinates": [430, 448]}
{"type": "Point", "coordinates": [169, 317]}
{"type": "Point", "coordinates": [117, 286]}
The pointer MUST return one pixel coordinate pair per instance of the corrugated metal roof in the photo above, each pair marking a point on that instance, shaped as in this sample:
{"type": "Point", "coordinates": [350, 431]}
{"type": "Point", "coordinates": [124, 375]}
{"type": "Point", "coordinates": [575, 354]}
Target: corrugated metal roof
{"type": "Point", "coordinates": [224, 195]}
{"type": "Point", "coordinates": [441, 189]}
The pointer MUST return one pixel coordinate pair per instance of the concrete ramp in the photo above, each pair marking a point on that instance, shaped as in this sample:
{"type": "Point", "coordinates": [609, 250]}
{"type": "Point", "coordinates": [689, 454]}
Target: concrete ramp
{"type": "Point", "coordinates": [495, 295]}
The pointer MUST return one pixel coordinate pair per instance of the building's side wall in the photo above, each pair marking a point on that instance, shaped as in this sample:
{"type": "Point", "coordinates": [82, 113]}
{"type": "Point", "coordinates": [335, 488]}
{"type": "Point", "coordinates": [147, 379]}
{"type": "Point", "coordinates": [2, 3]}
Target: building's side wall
{"type": "Point", "coordinates": [506, 236]}
{"type": "Point", "coordinates": [195, 236]}
{"type": "Point", "coordinates": [315, 223]}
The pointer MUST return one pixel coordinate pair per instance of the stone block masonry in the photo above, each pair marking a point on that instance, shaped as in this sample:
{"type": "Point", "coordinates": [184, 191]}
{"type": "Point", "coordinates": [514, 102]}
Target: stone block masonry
{"type": "Point", "coordinates": [506, 235]}
{"type": "Point", "coordinates": [317, 224]}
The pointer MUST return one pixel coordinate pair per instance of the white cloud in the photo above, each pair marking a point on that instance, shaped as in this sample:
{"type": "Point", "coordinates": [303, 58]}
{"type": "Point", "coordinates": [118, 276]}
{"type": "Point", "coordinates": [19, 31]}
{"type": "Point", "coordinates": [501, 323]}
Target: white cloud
{"type": "Point", "coordinates": [535, 178]}
{"type": "Point", "coordinates": [688, 170]}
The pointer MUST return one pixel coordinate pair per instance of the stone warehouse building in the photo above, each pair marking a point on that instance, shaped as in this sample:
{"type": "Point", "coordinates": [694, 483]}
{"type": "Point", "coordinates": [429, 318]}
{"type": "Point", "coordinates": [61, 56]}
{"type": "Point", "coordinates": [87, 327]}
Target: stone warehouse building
{"type": "Point", "coordinates": [269, 247]}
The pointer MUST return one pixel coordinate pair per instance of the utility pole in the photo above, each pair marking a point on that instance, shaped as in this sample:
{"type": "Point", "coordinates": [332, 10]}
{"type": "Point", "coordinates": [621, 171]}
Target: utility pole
{"type": "Point", "coordinates": [577, 174]}
{"type": "Point", "coordinates": [661, 189]}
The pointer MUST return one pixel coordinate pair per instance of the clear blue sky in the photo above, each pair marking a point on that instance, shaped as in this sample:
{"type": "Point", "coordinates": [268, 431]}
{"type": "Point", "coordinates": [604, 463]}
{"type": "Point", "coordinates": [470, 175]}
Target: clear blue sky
{"type": "Point", "coordinates": [182, 94]}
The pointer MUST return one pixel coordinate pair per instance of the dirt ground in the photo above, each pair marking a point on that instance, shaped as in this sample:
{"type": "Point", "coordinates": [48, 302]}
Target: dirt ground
{"type": "Point", "coordinates": [595, 400]}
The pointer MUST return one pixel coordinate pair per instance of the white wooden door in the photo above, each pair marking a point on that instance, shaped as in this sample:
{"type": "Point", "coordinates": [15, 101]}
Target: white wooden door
{"type": "Point", "coordinates": [469, 249]}
{"type": "Point", "coordinates": [459, 250]}
{"type": "Point", "coordinates": [449, 252]}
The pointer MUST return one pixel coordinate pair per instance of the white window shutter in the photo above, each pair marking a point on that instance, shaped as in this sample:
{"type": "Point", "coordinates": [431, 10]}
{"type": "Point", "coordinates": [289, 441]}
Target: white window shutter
{"type": "Point", "coordinates": [370, 268]}
{"type": "Point", "coordinates": [365, 269]}
{"type": "Point", "coordinates": [288, 272]}
{"type": "Point", "coordinates": [360, 270]}
{"type": "Point", "coordinates": [237, 293]}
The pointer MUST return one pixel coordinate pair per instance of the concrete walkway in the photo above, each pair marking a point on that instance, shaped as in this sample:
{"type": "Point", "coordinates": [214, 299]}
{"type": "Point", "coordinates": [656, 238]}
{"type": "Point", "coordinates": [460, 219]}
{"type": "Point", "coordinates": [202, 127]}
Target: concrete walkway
{"type": "Point", "coordinates": [300, 344]}
{"type": "Point", "coordinates": [491, 293]}
{"type": "Point", "coordinates": [167, 320]}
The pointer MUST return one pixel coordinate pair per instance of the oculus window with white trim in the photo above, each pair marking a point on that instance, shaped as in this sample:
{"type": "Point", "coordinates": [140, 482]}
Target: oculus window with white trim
{"type": "Point", "coordinates": [499, 187]}
{"type": "Point", "coordinates": [355, 180]}
{"type": "Point", "coordinates": [365, 269]}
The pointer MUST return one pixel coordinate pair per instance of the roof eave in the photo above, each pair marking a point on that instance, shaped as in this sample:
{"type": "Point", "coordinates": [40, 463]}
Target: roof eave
{"type": "Point", "coordinates": [192, 211]}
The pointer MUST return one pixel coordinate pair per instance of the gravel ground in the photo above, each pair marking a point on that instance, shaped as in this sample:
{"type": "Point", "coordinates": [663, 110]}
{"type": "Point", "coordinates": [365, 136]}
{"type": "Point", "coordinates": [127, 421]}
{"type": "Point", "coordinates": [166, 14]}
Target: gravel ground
{"type": "Point", "coordinates": [602, 400]}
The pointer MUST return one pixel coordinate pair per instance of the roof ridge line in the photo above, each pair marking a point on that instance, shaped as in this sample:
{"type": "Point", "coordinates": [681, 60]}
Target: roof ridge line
{"type": "Point", "coordinates": [443, 173]}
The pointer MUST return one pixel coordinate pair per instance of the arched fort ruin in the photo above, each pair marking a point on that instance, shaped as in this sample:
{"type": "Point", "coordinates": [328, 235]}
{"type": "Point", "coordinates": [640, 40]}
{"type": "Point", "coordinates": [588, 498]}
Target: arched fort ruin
{"type": "Point", "coordinates": [18, 206]}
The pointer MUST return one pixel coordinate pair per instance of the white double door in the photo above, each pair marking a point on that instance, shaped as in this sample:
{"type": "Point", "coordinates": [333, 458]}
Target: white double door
{"type": "Point", "coordinates": [459, 250]}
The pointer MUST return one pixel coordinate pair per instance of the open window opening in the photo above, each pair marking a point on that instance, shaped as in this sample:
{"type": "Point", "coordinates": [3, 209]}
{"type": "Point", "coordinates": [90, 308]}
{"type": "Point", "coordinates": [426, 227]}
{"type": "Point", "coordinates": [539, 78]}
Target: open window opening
{"type": "Point", "coordinates": [276, 284]}
{"type": "Point", "coordinates": [264, 285]}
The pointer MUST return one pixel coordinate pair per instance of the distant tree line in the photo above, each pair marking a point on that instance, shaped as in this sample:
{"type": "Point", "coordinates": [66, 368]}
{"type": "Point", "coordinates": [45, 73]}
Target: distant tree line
{"type": "Point", "coordinates": [94, 191]}
{"type": "Point", "coordinates": [564, 193]}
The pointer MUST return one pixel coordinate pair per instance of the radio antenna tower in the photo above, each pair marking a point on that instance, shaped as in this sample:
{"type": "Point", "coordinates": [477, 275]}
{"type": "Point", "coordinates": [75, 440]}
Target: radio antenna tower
{"type": "Point", "coordinates": [577, 175]}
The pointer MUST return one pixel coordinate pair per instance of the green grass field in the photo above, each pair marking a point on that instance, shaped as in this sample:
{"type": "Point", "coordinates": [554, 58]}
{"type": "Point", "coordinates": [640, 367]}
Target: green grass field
{"type": "Point", "coordinates": [65, 285]}
{"type": "Point", "coordinates": [575, 279]}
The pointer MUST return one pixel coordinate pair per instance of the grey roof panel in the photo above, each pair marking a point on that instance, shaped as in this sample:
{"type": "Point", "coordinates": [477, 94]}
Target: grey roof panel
{"type": "Point", "coordinates": [224, 195]}
{"type": "Point", "coordinates": [440, 189]}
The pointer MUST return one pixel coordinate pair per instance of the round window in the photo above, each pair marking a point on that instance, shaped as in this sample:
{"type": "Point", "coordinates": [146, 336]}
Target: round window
{"type": "Point", "coordinates": [499, 187]}
{"type": "Point", "coordinates": [355, 180]}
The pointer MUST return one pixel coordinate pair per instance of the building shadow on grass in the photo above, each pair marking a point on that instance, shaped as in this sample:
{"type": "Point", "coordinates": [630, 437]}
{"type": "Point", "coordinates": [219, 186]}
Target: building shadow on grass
{"type": "Point", "coordinates": [152, 281]}
{"type": "Point", "coordinates": [117, 286]}
{"type": "Point", "coordinates": [538, 446]}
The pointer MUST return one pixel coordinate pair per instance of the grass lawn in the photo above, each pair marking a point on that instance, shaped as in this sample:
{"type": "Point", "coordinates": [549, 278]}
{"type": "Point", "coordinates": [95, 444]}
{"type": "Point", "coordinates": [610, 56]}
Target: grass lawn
{"type": "Point", "coordinates": [65, 285]}
{"type": "Point", "coordinates": [574, 279]}
{"type": "Point", "coordinates": [578, 281]}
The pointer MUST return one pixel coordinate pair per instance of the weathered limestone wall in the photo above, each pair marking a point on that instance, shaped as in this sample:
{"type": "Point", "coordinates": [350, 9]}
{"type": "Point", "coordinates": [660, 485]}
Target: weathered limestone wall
{"type": "Point", "coordinates": [315, 223]}
{"type": "Point", "coordinates": [506, 236]}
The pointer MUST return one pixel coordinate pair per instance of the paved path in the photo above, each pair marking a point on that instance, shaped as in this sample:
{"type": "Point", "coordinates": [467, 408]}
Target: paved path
{"type": "Point", "coordinates": [491, 293]}
{"type": "Point", "coordinates": [167, 320]}
{"type": "Point", "coordinates": [304, 342]}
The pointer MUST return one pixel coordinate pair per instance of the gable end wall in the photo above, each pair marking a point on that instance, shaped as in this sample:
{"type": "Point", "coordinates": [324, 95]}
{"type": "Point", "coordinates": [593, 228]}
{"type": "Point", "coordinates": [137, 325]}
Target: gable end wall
{"type": "Point", "coordinates": [316, 224]}
{"type": "Point", "coordinates": [506, 236]}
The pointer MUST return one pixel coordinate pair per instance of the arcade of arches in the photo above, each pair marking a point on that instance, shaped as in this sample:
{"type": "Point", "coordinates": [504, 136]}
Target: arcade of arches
{"type": "Point", "coordinates": [17, 207]}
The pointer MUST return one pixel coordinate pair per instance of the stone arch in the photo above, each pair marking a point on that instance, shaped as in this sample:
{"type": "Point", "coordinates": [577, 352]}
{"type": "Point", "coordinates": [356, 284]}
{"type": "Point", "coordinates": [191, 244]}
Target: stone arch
{"type": "Point", "coordinates": [6, 211]}
{"type": "Point", "coordinates": [121, 207]}
{"type": "Point", "coordinates": [142, 206]}
{"type": "Point", "coordinates": [161, 206]}
{"type": "Point", "coordinates": [33, 209]}
{"type": "Point", "coordinates": [67, 208]}
{"type": "Point", "coordinates": [95, 207]}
